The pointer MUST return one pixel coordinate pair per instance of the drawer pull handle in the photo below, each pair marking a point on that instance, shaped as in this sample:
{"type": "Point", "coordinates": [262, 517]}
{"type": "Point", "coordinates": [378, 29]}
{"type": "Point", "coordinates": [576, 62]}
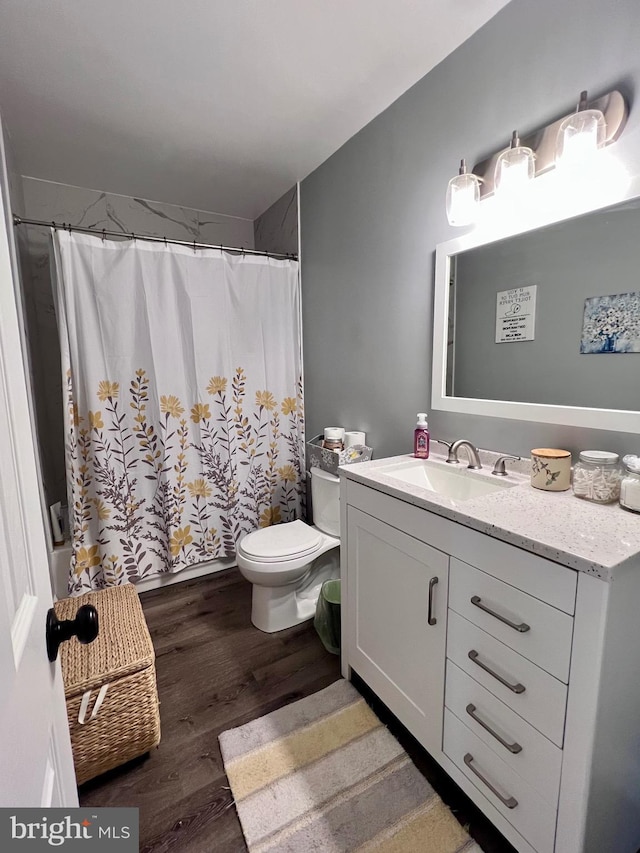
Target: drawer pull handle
{"type": "Point", "coordinates": [510, 802]}
{"type": "Point", "coordinates": [514, 747]}
{"type": "Point", "coordinates": [431, 619]}
{"type": "Point", "coordinates": [516, 688]}
{"type": "Point", "coordinates": [522, 627]}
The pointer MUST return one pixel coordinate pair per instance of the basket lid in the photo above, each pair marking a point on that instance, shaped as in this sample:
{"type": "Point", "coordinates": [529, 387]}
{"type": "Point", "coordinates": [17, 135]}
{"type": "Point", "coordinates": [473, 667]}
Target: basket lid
{"type": "Point", "coordinates": [123, 645]}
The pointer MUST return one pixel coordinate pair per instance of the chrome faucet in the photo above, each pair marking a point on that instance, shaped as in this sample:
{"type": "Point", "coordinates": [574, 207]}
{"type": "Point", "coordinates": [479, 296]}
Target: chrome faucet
{"type": "Point", "coordinates": [472, 453]}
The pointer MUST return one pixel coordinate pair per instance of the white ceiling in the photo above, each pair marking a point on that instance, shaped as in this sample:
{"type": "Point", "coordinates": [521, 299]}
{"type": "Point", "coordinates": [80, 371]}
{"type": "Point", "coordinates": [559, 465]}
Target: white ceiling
{"type": "Point", "coordinates": [213, 104]}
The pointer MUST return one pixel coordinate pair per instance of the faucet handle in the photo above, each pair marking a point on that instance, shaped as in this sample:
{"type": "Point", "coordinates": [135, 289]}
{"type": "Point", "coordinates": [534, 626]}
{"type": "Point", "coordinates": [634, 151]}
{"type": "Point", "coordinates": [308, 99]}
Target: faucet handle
{"type": "Point", "coordinates": [499, 469]}
{"type": "Point", "coordinates": [448, 444]}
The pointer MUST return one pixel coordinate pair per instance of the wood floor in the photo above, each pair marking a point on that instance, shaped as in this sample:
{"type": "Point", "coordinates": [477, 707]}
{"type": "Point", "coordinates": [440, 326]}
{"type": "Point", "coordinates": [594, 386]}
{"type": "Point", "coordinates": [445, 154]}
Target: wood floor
{"type": "Point", "coordinates": [216, 671]}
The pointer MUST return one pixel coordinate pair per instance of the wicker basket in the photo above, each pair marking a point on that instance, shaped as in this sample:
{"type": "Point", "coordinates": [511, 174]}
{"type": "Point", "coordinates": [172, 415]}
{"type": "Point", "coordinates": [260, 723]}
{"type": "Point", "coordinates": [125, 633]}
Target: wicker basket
{"type": "Point", "coordinates": [110, 684]}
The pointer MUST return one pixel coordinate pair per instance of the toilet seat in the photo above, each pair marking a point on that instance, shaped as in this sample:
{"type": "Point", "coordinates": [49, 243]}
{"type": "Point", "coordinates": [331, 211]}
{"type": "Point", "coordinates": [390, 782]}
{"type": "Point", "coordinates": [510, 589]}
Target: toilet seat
{"type": "Point", "coordinates": [282, 542]}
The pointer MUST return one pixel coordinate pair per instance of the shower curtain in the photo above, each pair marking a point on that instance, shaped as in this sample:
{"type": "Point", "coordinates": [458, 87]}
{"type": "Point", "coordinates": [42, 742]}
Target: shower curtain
{"type": "Point", "coordinates": [184, 415]}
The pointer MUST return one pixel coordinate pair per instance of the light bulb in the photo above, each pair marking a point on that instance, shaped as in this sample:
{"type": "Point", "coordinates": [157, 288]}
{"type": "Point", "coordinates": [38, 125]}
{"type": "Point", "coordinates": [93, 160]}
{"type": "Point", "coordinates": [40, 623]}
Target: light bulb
{"type": "Point", "coordinates": [515, 168]}
{"type": "Point", "coordinates": [580, 136]}
{"type": "Point", "coordinates": [463, 197]}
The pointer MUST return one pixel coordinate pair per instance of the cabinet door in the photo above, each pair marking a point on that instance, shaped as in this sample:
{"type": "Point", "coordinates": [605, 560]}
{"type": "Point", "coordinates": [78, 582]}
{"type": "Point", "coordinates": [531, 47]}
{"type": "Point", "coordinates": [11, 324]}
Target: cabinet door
{"type": "Point", "coordinates": [396, 622]}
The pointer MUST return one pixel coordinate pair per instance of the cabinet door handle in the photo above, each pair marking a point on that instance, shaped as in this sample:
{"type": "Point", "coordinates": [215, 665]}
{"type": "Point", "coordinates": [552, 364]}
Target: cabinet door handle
{"type": "Point", "coordinates": [516, 688]}
{"type": "Point", "coordinates": [514, 747]}
{"type": "Point", "coordinates": [510, 802]}
{"type": "Point", "coordinates": [522, 627]}
{"type": "Point", "coordinates": [431, 619]}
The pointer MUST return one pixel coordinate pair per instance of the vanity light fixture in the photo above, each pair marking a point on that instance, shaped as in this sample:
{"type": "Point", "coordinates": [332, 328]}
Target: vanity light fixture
{"type": "Point", "coordinates": [515, 168]}
{"type": "Point", "coordinates": [581, 135]}
{"type": "Point", "coordinates": [571, 139]}
{"type": "Point", "coordinates": [463, 197]}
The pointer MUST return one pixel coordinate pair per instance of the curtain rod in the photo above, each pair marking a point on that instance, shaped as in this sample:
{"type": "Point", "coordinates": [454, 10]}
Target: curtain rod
{"type": "Point", "coordinates": [63, 226]}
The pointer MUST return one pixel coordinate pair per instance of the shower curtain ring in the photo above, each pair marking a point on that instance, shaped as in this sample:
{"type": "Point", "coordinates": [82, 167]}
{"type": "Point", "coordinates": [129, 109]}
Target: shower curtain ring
{"type": "Point", "coordinates": [194, 247]}
{"type": "Point", "coordinates": [104, 234]}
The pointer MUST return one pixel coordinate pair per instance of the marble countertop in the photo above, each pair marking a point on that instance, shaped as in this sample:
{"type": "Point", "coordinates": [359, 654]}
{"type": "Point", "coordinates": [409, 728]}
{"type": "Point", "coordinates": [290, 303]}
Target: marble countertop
{"type": "Point", "coordinates": [597, 539]}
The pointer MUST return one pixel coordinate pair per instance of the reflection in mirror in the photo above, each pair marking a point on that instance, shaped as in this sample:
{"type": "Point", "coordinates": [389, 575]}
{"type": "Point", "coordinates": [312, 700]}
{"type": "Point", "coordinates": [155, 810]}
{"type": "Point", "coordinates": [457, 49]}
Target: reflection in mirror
{"type": "Point", "coordinates": [558, 267]}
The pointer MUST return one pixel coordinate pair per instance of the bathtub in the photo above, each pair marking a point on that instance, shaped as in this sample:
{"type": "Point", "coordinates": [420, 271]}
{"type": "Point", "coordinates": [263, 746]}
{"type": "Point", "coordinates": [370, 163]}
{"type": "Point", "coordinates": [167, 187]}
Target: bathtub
{"type": "Point", "coordinates": [60, 559]}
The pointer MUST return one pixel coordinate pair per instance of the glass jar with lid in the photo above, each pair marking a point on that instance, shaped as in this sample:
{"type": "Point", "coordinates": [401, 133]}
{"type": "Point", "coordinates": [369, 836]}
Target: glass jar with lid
{"type": "Point", "coordinates": [333, 438]}
{"type": "Point", "coordinates": [630, 485]}
{"type": "Point", "coordinates": [597, 476]}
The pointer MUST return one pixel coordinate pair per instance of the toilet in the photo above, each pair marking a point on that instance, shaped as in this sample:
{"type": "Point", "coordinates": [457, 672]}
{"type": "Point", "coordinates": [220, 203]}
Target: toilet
{"type": "Point", "coordinates": [288, 563]}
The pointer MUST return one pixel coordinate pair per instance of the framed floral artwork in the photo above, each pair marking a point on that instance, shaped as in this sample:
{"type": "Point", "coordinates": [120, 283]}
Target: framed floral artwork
{"type": "Point", "coordinates": [611, 324]}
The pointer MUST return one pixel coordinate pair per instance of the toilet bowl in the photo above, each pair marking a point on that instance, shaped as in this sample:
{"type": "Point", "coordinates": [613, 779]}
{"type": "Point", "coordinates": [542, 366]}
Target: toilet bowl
{"type": "Point", "coordinates": [288, 563]}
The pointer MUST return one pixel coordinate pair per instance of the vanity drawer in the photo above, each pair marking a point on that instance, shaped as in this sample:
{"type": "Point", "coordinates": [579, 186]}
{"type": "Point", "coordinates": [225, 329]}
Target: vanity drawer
{"type": "Point", "coordinates": [528, 690]}
{"type": "Point", "coordinates": [516, 800]}
{"type": "Point", "coordinates": [523, 569]}
{"type": "Point", "coordinates": [524, 623]}
{"type": "Point", "coordinates": [519, 745]}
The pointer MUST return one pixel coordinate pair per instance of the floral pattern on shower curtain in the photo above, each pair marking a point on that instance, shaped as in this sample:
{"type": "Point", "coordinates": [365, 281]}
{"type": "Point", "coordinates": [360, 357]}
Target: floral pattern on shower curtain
{"type": "Point", "coordinates": [184, 416]}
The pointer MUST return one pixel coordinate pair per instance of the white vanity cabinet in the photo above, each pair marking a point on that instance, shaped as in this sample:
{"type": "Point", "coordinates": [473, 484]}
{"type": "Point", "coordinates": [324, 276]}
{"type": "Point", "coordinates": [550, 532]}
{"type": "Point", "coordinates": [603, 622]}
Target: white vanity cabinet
{"type": "Point", "coordinates": [519, 675]}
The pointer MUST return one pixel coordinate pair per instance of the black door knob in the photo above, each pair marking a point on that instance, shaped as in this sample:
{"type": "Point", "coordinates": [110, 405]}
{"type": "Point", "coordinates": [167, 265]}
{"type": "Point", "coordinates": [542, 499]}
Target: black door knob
{"type": "Point", "coordinates": [85, 627]}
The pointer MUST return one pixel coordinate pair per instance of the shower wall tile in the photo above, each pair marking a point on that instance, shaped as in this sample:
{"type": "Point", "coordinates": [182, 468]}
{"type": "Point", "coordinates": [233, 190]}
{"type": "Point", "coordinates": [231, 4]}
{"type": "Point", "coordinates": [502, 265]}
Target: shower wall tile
{"type": "Point", "coordinates": [90, 209]}
{"type": "Point", "coordinates": [93, 209]}
{"type": "Point", "coordinates": [276, 230]}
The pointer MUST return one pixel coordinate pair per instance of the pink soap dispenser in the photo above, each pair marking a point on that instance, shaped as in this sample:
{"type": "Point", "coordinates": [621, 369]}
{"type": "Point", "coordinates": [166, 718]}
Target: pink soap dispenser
{"type": "Point", "coordinates": [421, 437]}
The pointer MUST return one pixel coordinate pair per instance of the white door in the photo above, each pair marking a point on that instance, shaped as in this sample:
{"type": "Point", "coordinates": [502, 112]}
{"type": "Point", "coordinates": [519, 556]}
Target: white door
{"type": "Point", "coordinates": [397, 618]}
{"type": "Point", "coordinates": [36, 766]}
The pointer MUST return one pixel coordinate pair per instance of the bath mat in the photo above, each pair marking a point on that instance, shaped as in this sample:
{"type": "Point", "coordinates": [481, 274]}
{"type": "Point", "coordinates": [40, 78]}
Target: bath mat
{"type": "Point", "coordinates": [324, 774]}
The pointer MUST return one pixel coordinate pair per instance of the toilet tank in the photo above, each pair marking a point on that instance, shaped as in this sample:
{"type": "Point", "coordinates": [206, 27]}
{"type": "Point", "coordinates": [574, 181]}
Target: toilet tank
{"type": "Point", "coordinates": [325, 498]}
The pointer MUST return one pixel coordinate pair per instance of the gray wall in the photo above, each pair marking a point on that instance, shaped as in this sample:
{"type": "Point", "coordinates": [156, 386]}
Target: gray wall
{"type": "Point", "coordinates": [594, 255]}
{"type": "Point", "coordinates": [90, 208]}
{"type": "Point", "coordinates": [16, 197]}
{"type": "Point", "coordinates": [11, 189]}
{"type": "Point", "coordinates": [276, 230]}
{"type": "Point", "coordinates": [373, 213]}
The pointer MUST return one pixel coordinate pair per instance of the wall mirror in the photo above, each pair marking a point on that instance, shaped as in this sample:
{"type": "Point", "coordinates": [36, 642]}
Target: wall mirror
{"type": "Point", "coordinates": [512, 336]}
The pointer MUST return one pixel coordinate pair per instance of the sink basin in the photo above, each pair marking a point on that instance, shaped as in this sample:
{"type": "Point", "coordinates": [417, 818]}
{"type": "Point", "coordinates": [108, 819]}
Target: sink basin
{"type": "Point", "coordinates": [457, 484]}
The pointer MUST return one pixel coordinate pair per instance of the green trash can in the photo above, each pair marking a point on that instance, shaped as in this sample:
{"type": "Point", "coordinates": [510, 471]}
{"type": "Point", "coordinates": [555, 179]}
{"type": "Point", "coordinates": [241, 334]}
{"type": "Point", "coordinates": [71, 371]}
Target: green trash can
{"type": "Point", "coordinates": [327, 618]}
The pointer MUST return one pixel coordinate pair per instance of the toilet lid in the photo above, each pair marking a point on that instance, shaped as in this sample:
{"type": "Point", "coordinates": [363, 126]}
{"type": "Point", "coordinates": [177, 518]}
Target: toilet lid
{"type": "Point", "coordinates": [282, 541]}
